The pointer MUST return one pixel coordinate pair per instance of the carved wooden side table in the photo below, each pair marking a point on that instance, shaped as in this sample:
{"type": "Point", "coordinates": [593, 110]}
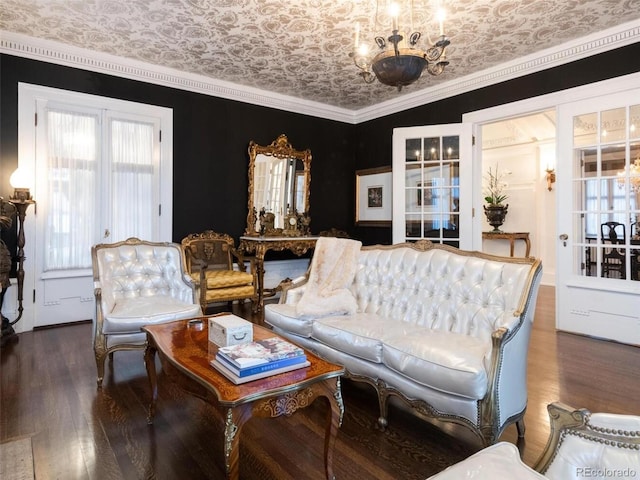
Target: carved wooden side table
{"type": "Point", "coordinates": [512, 237]}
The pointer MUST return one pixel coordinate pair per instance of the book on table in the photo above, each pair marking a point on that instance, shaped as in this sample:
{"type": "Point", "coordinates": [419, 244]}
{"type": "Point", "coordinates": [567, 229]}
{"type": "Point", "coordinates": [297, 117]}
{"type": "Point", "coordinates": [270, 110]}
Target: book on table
{"type": "Point", "coordinates": [217, 364]}
{"type": "Point", "coordinates": [259, 359]}
{"type": "Point", "coordinates": [259, 352]}
{"type": "Point", "coordinates": [273, 366]}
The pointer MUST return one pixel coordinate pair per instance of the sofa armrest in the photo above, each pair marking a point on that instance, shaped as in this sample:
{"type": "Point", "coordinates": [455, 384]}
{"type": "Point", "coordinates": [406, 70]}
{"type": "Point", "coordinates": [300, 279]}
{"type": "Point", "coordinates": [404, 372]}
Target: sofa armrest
{"type": "Point", "coordinates": [292, 290]}
{"type": "Point", "coordinates": [581, 444]}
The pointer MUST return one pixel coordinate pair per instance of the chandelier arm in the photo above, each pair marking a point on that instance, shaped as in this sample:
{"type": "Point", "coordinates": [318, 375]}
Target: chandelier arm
{"type": "Point", "coordinates": [367, 77]}
{"type": "Point", "coordinates": [436, 69]}
{"type": "Point", "coordinates": [360, 61]}
{"type": "Point", "coordinates": [432, 54]}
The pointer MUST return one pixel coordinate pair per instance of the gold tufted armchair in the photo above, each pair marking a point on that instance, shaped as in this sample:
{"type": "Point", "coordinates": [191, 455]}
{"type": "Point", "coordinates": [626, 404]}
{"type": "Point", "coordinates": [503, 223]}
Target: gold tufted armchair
{"type": "Point", "coordinates": [137, 283]}
{"type": "Point", "coordinates": [210, 262]}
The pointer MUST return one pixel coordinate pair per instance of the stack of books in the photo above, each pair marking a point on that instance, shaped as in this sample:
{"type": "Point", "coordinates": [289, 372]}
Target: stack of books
{"type": "Point", "coordinates": [259, 359]}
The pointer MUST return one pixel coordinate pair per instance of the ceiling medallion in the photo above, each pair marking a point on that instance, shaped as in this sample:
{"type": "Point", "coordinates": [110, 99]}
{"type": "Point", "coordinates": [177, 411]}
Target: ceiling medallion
{"type": "Point", "coordinates": [400, 62]}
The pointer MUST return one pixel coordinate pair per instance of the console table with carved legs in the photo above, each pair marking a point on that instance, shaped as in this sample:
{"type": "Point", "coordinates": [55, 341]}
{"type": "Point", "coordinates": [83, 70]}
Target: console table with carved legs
{"type": "Point", "coordinates": [512, 237]}
{"type": "Point", "coordinates": [185, 353]}
{"type": "Point", "coordinates": [259, 246]}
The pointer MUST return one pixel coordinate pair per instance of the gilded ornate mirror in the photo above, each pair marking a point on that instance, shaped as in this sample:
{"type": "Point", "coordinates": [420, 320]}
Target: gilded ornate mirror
{"type": "Point", "coordinates": [279, 183]}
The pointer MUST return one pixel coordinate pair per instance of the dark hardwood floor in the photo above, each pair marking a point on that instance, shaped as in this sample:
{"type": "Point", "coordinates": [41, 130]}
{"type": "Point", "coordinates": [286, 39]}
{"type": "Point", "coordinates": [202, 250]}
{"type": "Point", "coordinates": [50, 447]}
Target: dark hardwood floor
{"type": "Point", "coordinates": [48, 392]}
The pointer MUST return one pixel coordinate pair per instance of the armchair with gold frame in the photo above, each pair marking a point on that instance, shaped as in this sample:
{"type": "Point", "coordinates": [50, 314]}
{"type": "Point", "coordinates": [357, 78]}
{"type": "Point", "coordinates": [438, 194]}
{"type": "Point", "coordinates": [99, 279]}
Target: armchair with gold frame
{"type": "Point", "coordinates": [137, 283]}
{"type": "Point", "coordinates": [210, 262]}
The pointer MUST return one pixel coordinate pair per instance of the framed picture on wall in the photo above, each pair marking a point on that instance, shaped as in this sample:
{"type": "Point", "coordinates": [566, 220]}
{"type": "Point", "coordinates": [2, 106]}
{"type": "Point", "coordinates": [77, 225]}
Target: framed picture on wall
{"type": "Point", "coordinates": [425, 194]}
{"type": "Point", "coordinates": [373, 197]}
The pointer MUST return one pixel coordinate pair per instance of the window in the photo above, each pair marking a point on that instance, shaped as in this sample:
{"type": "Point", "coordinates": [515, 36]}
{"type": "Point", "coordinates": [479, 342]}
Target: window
{"type": "Point", "coordinates": [104, 174]}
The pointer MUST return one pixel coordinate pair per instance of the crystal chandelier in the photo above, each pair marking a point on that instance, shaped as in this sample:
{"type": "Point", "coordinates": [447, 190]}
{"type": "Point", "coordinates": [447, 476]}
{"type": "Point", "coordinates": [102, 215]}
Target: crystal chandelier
{"type": "Point", "coordinates": [634, 176]}
{"type": "Point", "coordinates": [399, 60]}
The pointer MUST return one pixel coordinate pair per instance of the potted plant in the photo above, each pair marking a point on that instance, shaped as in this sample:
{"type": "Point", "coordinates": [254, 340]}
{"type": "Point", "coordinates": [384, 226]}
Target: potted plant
{"type": "Point", "coordinates": [496, 211]}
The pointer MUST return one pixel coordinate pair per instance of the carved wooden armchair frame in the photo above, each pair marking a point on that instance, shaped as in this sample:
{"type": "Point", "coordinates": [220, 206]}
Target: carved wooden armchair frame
{"type": "Point", "coordinates": [210, 260]}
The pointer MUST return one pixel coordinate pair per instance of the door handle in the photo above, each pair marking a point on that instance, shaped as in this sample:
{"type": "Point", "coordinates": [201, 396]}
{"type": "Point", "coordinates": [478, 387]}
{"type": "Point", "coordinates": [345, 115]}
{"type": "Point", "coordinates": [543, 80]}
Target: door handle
{"type": "Point", "coordinates": [106, 233]}
{"type": "Point", "coordinates": [564, 237]}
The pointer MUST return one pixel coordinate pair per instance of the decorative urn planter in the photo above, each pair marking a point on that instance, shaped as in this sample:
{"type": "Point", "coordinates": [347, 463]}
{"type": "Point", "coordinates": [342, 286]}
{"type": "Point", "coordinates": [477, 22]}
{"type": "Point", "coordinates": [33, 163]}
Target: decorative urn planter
{"type": "Point", "coordinates": [495, 215]}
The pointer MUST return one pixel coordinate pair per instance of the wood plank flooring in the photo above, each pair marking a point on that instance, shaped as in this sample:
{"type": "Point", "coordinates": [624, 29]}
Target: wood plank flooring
{"type": "Point", "coordinates": [48, 393]}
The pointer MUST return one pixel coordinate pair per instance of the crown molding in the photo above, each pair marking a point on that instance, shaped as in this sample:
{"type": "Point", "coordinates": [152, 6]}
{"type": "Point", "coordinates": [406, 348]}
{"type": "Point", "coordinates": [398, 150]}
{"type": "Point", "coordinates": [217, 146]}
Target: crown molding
{"type": "Point", "coordinates": [61, 54]}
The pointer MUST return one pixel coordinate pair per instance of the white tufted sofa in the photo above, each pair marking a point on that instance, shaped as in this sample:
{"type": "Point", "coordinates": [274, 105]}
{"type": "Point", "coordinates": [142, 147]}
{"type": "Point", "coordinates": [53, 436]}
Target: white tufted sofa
{"type": "Point", "coordinates": [581, 445]}
{"type": "Point", "coordinates": [443, 329]}
{"type": "Point", "coordinates": [137, 283]}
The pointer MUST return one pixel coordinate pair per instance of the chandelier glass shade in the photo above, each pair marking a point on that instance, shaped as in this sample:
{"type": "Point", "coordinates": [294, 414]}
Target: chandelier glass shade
{"type": "Point", "coordinates": [633, 177]}
{"type": "Point", "coordinates": [400, 60]}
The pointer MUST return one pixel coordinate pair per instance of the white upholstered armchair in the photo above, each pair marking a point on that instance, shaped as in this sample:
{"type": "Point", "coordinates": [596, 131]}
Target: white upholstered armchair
{"type": "Point", "coordinates": [137, 283]}
{"type": "Point", "coordinates": [581, 445]}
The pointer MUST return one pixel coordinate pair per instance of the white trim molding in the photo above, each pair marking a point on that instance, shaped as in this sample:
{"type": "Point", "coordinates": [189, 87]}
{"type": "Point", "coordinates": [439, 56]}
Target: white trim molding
{"type": "Point", "coordinates": [61, 54]}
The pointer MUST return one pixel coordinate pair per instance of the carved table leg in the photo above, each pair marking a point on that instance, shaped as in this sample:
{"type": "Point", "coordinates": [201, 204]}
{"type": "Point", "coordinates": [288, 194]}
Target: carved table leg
{"type": "Point", "coordinates": [334, 421]}
{"type": "Point", "coordinates": [232, 428]}
{"type": "Point", "coordinates": [260, 253]}
{"type": "Point", "coordinates": [150, 363]}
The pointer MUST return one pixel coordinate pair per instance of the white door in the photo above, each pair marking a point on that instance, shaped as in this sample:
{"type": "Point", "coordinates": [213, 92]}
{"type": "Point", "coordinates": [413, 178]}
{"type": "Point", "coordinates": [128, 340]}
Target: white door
{"type": "Point", "coordinates": [432, 184]}
{"type": "Point", "coordinates": [598, 278]}
{"type": "Point", "coordinates": [99, 165]}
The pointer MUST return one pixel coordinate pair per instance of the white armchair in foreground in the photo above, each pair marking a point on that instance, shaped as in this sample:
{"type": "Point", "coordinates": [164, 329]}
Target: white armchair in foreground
{"type": "Point", "coordinates": [581, 445]}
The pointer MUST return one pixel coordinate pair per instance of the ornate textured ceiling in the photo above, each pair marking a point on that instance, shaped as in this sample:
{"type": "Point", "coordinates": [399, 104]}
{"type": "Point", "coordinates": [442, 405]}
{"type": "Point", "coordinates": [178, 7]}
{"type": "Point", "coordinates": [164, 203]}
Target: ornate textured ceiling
{"type": "Point", "coordinates": [300, 48]}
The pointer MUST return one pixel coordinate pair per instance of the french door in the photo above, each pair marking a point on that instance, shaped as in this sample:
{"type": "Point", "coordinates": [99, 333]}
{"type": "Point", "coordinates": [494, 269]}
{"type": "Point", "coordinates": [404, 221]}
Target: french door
{"type": "Point", "coordinates": [599, 185]}
{"type": "Point", "coordinates": [103, 175]}
{"type": "Point", "coordinates": [432, 184]}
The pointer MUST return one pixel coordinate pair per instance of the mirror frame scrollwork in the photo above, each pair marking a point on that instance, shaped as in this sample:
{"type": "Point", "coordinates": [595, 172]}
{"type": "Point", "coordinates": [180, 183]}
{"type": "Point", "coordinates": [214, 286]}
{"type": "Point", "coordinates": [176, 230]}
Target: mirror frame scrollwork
{"type": "Point", "coordinates": [279, 148]}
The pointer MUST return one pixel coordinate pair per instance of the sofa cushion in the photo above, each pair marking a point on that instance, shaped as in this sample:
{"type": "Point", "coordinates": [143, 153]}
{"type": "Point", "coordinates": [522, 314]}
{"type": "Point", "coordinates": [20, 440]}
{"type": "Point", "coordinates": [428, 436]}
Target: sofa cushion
{"type": "Point", "coordinates": [358, 334]}
{"type": "Point", "coordinates": [243, 291]}
{"type": "Point", "coordinates": [283, 316]}
{"type": "Point", "coordinates": [499, 461]}
{"type": "Point", "coordinates": [446, 361]}
{"type": "Point", "coordinates": [130, 314]}
{"type": "Point", "coordinates": [224, 278]}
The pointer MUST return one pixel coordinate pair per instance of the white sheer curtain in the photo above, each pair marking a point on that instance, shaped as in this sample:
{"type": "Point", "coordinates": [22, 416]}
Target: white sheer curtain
{"type": "Point", "coordinates": [90, 194]}
{"type": "Point", "coordinates": [72, 159]}
{"type": "Point", "coordinates": [132, 180]}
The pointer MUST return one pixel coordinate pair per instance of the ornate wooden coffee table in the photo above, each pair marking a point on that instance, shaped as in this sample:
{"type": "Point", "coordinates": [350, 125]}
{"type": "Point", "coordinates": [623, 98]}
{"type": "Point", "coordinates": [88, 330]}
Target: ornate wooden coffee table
{"type": "Point", "coordinates": [185, 351]}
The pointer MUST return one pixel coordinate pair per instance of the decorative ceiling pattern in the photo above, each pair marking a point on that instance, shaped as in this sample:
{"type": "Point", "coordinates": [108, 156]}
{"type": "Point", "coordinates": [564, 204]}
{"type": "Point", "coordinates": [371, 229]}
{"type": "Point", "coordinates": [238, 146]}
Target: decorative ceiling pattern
{"type": "Point", "coordinates": [300, 48]}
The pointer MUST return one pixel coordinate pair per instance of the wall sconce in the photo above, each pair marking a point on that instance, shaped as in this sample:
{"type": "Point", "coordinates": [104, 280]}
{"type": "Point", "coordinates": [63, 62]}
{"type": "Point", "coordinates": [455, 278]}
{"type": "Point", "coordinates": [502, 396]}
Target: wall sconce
{"type": "Point", "coordinates": [21, 200]}
{"type": "Point", "coordinates": [551, 177]}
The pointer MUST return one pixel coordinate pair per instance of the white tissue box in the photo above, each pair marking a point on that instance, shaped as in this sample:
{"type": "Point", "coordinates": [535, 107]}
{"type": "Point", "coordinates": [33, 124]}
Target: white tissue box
{"type": "Point", "coordinates": [229, 329]}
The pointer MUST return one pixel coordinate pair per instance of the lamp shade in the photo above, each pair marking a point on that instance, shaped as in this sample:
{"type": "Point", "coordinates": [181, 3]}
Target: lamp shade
{"type": "Point", "coordinates": [20, 179]}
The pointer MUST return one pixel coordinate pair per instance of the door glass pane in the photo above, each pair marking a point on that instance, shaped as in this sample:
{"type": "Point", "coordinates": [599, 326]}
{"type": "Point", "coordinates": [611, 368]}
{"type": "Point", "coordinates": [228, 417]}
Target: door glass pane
{"type": "Point", "coordinates": [605, 205]}
{"type": "Point", "coordinates": [613, 125]}
{"type": "Point", "coordinates": [413, 150]}
{"type": "Point", "coordinates": [432, 194]}
{"type": "Point", "coordinates": [413, 226]}
{"type": "Point", "coordinates": [585, 129]}
{"type": "Point", "coordinates": [431, 149]}
{"type": "Point", "coordinates": [451, 148]}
